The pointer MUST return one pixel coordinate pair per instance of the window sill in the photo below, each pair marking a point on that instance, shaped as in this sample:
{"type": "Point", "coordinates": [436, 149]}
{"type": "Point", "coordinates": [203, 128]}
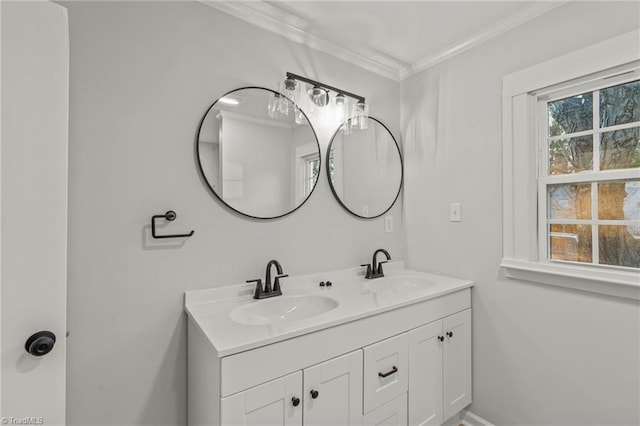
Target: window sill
{"type": "Point", "coordinates": [613, 283]}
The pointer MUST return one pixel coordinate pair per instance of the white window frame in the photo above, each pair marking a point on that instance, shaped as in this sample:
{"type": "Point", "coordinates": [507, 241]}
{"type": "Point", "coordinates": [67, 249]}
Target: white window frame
{"type": "Point", "coordinates": [303, 154]}
{"type": "Point", "coordinates": [522, 257]}
{"type": "Point", "coordinates": [308, 183]}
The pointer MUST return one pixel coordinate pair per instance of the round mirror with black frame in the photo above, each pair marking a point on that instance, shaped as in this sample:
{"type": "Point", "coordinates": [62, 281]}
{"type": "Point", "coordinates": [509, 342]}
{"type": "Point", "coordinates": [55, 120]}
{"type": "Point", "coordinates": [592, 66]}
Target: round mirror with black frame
{"type": "Point", "coordinates": [365, 169]}
{"type": "Point", "coordinates": [258, 153]}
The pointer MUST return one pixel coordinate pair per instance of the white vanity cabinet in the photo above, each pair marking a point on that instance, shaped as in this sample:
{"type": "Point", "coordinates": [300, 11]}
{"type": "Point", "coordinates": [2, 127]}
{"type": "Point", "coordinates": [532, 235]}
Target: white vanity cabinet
{"type": "Point", "coordinates": [407, 364]}
{"type": "Point", "coordinates": [440, 364]}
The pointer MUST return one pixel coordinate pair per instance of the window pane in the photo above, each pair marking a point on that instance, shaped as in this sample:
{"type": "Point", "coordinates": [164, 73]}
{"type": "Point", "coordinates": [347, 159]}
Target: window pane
{"type": "Point", "coordinates": [619, 200]}
{"type": "Point", "coordinates": [620, 149]}
{"type": "Point", "coordinates": [569, 201]}
{"type": "Point", "coordinates": [571, 155]}
{"type": "Point", "coordinates": [631, 205]}
{"type": "Point", "coordinates": [570, 115]}
{"type": "Point", "coordinates": [571, 242]}
{"type": "Point", "coordinates": [620, 104]}
{"type": "Point", "coordinates": [619, 246]}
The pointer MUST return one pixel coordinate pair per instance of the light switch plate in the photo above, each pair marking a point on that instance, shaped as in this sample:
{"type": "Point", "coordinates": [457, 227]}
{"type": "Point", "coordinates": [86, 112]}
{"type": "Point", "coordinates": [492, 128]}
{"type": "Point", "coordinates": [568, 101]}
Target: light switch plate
{"type": "Point", "coordinates": [388, 223]}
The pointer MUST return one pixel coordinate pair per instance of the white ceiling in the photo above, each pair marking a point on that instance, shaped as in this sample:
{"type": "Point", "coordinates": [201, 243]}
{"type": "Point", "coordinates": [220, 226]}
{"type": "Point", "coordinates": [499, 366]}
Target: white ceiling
{"type": "Point", "coordinates": [392, 38]}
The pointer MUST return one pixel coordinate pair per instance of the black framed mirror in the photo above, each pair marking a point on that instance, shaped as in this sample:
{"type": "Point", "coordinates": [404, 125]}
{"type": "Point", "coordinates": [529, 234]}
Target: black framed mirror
{"type": "Point", "coordinates": [365, 169]}
{"type": "Point", "coordinates": [258, 153]}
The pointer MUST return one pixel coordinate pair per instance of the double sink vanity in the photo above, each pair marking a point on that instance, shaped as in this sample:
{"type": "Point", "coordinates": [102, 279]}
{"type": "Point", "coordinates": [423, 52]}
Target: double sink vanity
{"type": "Point", "coordinates": [335, 348]}
{"type": "Point", "coordinates": [350, 347]}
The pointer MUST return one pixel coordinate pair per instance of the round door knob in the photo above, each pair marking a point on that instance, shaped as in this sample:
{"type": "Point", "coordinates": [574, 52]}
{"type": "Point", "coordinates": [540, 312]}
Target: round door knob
{"type": "Point", "coordinates": [314, 393]}
{"type": "Point", "coordinates": [40, 343]}
{"type": "Point", "coordinates": [295, 401]}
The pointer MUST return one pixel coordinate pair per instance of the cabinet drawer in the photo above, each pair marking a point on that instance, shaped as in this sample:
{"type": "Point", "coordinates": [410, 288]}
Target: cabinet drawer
{"type": "Point", "coordinates": [393, 413]}
{"type": "Point", "coordinates": [385, 371]}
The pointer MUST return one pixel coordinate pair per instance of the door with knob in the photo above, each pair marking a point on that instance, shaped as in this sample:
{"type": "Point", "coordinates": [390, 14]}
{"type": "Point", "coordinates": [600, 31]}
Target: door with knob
{"type": "Point", "coordinates": [33, 211]}
{"type": "Point", "coordinates": [333, 391]}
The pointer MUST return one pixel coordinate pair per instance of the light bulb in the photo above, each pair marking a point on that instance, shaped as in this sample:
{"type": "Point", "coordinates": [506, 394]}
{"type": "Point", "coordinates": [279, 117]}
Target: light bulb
{"type": "Point", "coordinates": [319, 96]}
{"type": "Point", "coordinates": [341, 107]}
{"type": "Point", "coordinates": [360, 116]}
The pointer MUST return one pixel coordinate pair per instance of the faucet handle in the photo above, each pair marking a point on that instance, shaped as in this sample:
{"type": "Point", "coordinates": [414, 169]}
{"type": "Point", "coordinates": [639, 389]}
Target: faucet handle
{"type": "Point", "coordinates": [380, 267]}
{"type": "Point", "coordinates": [368, 272]}
{"type": "Point", "coordinates": [258, 291]}
{"type": "Point", "coordinates": [276, 283]}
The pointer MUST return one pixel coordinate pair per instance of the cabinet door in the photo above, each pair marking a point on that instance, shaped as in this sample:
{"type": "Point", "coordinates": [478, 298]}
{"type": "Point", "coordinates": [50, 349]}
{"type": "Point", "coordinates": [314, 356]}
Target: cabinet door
{"type": "Point", "coordinates": [457, 362]}
{"type": "Point", "coordinates": [333, 391]}
{"type": "Point", "coordinates": [425, 376]}
{"type": "Point", "coordinates": [270, 404]}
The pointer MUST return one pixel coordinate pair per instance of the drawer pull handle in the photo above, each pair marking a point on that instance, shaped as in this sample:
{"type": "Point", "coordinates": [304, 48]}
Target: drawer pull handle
{"type": "Point", "coordinates": [314, 393]}
{"type": "Point", "coordinates": [295, 401]}
{"type": "Point", "coordinates": [388, 373]}
{"type": "Point", "coordinates": [441, 338]}
{"type": "Point", "coordinates": [450, 334]}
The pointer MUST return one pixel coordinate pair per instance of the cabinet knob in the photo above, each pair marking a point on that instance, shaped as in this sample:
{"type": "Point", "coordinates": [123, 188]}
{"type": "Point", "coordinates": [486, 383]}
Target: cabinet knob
{"type": "Point", "coordinates": [450, 334]}
{"type": "Point", "coordinates": [314, 393]}
{"type": "Point", "coordinates": [441, 338]}
{"type": "Point", "coordinates": [295, 401]}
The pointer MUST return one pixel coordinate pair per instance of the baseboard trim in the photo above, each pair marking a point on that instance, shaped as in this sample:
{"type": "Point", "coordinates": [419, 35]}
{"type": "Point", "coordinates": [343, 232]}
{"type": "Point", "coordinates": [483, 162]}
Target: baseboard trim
{"type": "Point", "coordinates": [475, 420]}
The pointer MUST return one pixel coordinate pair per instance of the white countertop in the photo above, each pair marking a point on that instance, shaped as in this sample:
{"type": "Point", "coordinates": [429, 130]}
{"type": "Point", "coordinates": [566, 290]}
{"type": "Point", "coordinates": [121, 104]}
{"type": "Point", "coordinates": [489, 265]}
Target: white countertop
{"type": "Point", "coordinates": [210, 309]}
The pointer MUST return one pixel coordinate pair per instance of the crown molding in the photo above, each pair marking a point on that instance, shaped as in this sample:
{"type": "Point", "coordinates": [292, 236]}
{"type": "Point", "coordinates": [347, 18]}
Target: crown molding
{"type": "Point", "coordinates": [292, 27]}
{"type": "Point", "coordinates": [276, 20]}
{"type": "Point", "coordinates": [485, 34]}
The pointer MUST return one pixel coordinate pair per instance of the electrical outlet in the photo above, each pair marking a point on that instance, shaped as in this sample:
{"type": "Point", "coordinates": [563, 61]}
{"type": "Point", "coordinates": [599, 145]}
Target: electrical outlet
{"type": "Point", "coordinates": [455, 214]}
{"type": "Point", "coordinates": [388, 223]}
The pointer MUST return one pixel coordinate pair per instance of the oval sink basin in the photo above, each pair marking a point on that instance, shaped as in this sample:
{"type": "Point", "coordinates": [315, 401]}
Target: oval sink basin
{"type": "Point", "coordinates": [282, 309]}
{"type": "Point", "coordinates": [398, 286]}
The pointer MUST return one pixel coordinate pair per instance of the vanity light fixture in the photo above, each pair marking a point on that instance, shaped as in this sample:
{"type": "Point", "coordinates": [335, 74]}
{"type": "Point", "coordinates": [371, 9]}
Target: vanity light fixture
{"type": "Point", "coordinates": [320, 95]}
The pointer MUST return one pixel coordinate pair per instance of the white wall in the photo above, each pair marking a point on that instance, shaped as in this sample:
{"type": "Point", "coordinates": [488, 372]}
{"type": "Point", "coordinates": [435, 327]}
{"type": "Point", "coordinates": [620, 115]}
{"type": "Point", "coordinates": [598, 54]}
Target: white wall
{"type": "Point", "coordinates": [542, 355]}
{"type": "Point", "coordinates": [142, 75]}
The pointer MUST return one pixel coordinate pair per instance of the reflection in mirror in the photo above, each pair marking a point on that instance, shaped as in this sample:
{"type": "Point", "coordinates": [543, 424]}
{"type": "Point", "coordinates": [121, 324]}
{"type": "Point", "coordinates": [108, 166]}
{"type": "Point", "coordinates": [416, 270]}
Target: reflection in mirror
{"type": "Point", "coordinates": [260, 164]}
{"type": "Point", "coordinates": [365, 169]}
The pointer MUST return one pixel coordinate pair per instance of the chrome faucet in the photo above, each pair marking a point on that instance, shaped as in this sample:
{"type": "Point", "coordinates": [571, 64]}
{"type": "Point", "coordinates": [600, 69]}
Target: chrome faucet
{"type": "Point", "coordinates": [269, 290]}
{"type": "Point", "coordinates": [374, 269]}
